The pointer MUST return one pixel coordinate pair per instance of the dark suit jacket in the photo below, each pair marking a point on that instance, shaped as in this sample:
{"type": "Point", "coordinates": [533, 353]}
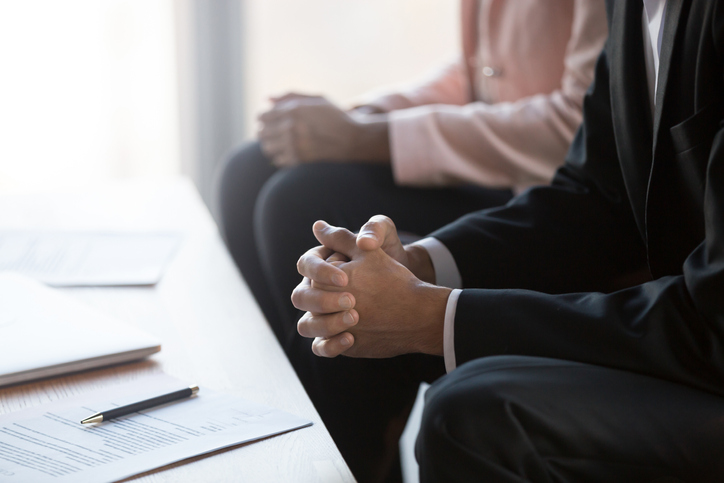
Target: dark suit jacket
{"type": "Point", "coordinates": [635, 193]}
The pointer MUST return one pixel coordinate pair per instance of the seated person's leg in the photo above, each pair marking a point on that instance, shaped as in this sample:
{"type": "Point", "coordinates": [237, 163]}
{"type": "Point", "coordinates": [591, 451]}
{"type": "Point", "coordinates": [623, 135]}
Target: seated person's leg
{"type": "Point", "coordinates": [515, 419]}
{"type": "Point", "coordinates": [363, 403]}
{"type": "Point", "coordinates": [239, 181]}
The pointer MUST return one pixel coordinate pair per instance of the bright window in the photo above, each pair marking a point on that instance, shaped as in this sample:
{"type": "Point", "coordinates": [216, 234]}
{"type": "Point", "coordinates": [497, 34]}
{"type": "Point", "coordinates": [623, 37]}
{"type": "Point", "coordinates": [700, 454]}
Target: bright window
{"type": "Point", "coordinates": [87, 92]}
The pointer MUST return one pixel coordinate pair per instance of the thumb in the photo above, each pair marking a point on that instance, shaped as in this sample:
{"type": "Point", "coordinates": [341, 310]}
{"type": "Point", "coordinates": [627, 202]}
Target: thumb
{"type": "Point", "coordinates": [336, 239]}
{"type": "Point", "coordinates": [378, 232]}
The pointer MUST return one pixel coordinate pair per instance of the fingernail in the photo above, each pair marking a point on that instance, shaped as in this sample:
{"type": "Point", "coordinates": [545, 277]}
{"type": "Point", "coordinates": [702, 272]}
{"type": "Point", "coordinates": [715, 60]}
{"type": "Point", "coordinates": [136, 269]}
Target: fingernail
{"type": "Point", "coordinates": [344, 341]}
{"type": "Point", "coordinates": [345, 302]}
{"type": "Point", "coordinates": [371, 236]}
{"type": "Point", "coordinates": [348, 319]}
{"type": "Point", "coordinates": [338, 280]}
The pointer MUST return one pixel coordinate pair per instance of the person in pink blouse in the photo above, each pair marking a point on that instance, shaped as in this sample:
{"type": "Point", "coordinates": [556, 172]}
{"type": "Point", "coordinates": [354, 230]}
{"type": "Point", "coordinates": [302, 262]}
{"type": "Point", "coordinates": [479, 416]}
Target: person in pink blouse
{"type": "Point", "coordinates": [492, 123]}
{"type": "Point", "coordinates": [503, 119]}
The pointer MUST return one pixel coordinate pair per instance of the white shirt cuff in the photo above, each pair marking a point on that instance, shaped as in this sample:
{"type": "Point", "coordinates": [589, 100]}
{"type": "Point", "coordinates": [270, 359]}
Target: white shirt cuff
{"type": "Point", "coordinates": [448, 334]}
{"type": "Point", "coordinates": [446, 275]}
{"type": "Point", "coordinates": [446, 270]}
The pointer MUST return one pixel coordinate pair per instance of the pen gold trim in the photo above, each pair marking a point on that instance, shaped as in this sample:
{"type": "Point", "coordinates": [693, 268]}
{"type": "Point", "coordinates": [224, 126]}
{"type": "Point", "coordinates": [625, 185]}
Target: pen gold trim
{"type": "Point", "coordinates": [141, 405]}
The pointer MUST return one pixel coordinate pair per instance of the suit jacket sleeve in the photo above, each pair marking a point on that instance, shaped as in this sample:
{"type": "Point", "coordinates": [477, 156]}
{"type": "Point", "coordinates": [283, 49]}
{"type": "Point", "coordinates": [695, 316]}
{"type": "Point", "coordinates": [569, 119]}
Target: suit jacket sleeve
{"type": "Point", "coordinates": [549, 261]}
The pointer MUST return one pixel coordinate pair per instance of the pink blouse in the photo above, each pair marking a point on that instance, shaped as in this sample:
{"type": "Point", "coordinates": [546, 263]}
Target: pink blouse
{"type": "Point", "coordinates": [529, 69]}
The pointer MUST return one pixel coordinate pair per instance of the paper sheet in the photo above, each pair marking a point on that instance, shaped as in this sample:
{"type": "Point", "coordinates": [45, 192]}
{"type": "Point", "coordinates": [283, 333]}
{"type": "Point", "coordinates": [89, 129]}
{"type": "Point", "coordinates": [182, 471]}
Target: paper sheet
{"type": "Point", "coordinates": [87, 258]}
{"type": "Point", "coordinates": [48, 443]}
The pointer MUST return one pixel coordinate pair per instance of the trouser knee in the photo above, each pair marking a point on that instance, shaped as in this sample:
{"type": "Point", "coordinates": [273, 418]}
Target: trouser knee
{"type": "Point", "coordinates": [469, 431]}
{"type": "Point", "coordinates": [457, 406]}
{"type": "Point", "coordinates": [295, 191]}
{"type": "Point", "coordinates": [240, 177]}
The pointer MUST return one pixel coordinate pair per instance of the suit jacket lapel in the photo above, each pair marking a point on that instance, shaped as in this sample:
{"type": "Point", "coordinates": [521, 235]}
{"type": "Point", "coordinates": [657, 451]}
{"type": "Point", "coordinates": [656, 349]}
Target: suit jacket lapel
{"type": "Point", "coordinates": [632, 117]}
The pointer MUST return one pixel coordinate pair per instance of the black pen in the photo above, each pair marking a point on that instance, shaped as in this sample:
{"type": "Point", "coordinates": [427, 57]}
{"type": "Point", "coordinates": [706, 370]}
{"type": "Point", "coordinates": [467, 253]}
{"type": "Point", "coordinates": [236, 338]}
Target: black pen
{"type": "Point", "coordinates": [141, 405]}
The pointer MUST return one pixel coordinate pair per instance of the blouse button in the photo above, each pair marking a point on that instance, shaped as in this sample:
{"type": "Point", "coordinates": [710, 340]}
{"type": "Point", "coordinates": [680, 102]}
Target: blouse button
{"type": "Point", "coordinates": [491, 72]}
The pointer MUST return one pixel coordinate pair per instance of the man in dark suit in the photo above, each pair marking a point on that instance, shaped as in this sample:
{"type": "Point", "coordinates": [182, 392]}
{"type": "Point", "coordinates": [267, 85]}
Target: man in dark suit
{"type": "Point", "coordinates": [587, 343]}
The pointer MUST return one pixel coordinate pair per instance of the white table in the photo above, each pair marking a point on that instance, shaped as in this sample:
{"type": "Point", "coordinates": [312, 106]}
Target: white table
{"type": "Point", "coordinates": [212, 331]}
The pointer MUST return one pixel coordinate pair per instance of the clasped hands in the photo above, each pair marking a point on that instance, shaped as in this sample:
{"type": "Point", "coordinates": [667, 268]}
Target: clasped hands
{"type": "Point", "coordinates": [366, 295]}
{"type": "Point", "coordinates": [301, 128]}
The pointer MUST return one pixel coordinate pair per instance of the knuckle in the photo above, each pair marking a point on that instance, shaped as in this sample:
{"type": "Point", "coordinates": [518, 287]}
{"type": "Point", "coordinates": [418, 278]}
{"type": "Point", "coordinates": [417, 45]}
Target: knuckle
{"type": "Point", "coordinates": [302, 325]}
{"type": "Point", "coordinates": [378, 222]}
{"type": "Point", "coordinates": [318, 348]}
{"type": "Point", "coordinates": [301, 264]}
{"type": "Point", "coordinates": [341, 233]}
{"type": "Point", "coordinates": [386, 221]}
{"type": "Point", "coordinates": [328, 349]}
{"type": "Point", "coordinates": [297, 297]}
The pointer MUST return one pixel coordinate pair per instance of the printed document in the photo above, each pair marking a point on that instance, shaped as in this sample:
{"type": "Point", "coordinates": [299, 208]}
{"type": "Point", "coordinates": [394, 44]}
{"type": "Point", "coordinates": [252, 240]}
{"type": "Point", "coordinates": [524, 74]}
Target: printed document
{"type": "Point", "coordinates": [48, 443]}
{"type": "Point", "coordinates": [87, 258]}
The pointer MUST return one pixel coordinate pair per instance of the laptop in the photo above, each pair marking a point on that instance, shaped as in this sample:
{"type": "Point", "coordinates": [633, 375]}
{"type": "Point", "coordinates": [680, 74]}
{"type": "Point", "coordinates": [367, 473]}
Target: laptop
{"type": "Point", "coordinates": [45, 333]}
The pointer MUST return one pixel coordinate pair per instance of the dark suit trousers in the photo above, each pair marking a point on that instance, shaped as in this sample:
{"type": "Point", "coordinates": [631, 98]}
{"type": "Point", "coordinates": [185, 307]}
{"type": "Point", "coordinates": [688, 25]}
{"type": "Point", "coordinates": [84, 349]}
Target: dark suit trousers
{"type": "Point", "coordinates": [518, 419]}
{"type": "Point", "coordinates": [266, 216]}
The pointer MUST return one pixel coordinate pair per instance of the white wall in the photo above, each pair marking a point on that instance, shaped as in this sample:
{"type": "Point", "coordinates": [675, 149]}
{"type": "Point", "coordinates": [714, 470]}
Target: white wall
{"type": "Point", "coordinates": [342, 48]}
